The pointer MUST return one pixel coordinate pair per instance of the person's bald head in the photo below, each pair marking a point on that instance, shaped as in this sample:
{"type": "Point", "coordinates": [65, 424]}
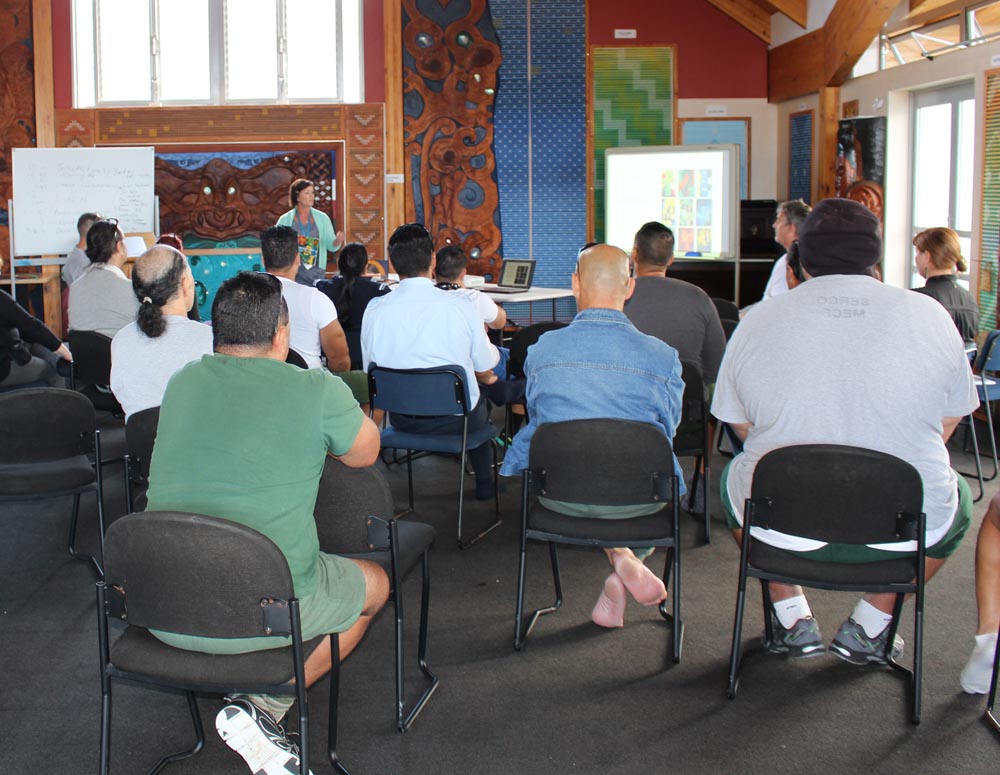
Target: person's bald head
{"type": "Point", "coordinates": [602, 278]}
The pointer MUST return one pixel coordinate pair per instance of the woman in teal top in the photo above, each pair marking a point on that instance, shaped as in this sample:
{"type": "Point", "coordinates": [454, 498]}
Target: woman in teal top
{"type": "Point", "coordinates": [315, 230]}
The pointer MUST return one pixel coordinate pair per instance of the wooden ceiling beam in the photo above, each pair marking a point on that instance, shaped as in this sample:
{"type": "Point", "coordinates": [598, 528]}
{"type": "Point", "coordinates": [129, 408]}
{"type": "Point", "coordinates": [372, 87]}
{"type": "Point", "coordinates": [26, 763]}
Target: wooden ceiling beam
{"type": "Point", "coordinates": [749, 15]}
{"type": "Point", "coordinates": [850, 28]}
{"type": "Point", "coordinates": [825, 57]}
{"type": "Point", "coordinates": [796, 10]}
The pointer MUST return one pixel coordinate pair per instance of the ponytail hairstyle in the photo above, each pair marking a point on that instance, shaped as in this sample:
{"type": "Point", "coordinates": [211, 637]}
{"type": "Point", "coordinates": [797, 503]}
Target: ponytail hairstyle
{"type": "Point", "coordinates": [942, 245]}
{"type": "Point", "coordinates": [352, 262]}
{"type": "Point", "coordinates": [156, 285]}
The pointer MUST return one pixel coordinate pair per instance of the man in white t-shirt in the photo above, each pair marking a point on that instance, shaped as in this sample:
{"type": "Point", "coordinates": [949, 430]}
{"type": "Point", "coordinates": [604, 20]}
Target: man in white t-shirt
{"type": "Point", "coordinates": [449, 273]}
{"type": "Point", "coordinates": [844, 359]}
{"type": "Point", "coordinates": [314, 328]}
{"type": "Point", "coordinates": [789, 218]}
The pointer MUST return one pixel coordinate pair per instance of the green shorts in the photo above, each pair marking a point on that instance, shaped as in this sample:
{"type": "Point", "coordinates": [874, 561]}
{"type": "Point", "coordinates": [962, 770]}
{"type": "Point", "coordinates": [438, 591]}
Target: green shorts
{"type": "Point", "coordinates": [357, 381]}
{"type": "Point", "coordinates": [334, 607]}
{"type": "Point", "coordinates": [858, 553]}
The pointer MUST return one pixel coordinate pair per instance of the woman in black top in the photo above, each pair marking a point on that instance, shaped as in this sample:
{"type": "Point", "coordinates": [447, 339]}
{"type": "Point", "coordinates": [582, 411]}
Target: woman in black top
{"type": "Point", "coordinates": [18, 329]}
{"type": "Point", "coordinates": [939, 260]}
{"type": "Point", "coordinates": [351, 291]}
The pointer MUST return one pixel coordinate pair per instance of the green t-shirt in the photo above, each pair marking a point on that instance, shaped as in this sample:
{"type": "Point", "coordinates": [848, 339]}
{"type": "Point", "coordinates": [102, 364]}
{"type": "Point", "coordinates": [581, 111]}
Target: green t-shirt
{"type": "Point", "coordinates": [246, 439]}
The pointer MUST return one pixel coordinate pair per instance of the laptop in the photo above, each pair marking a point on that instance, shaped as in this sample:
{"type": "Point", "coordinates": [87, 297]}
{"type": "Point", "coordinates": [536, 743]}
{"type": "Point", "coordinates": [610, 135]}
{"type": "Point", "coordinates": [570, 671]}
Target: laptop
{"type": "Point", "coordinates": [515, 276]}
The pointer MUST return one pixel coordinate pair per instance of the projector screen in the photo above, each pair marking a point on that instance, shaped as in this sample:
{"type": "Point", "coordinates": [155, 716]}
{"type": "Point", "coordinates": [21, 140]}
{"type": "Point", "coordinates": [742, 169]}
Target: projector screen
{"type": "Point", "coordinates": [692, 189]}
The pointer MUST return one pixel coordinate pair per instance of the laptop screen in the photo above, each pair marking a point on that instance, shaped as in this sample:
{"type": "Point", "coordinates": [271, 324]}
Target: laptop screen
{"type": "Point", "coordinates": [516, 273]}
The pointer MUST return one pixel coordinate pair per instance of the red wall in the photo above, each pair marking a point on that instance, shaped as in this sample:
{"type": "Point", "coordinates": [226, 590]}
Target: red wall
{"type": "Point", "coordinates": [716, 57]}
{"type": "Point", "coordinates": [62, 47]}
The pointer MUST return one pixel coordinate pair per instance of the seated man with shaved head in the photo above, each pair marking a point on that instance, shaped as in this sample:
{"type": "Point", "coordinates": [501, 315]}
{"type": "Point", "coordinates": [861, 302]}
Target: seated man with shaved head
{"type": "Point", "coordinates": [145, 354]}
{"type": "Point", "coordinates": [601, 366]}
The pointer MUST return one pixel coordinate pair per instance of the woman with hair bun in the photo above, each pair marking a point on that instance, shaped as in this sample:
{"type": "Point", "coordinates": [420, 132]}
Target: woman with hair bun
{"type": "Point", "coordinates": [351, 291]}
{"type": "Point", "coordinates": [161, 341]}
{"type": "Point", "coordinates": [939, 260]}
{"type": "Point", "coordinates": [315, 230]}
{"type": "Point", "coordinates": [101, 299]}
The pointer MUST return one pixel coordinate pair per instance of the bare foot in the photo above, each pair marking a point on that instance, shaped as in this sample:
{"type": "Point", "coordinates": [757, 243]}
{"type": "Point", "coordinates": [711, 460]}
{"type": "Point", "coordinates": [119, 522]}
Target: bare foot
{"type": "Point", "coordinates": [644, 585]}
{"type": "Point", "coordinates": [609, 611]}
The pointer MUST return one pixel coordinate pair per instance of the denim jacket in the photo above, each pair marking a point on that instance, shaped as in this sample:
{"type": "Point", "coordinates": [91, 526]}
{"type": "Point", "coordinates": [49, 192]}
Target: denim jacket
{"type": "Point", "coordinates": [599, 366]}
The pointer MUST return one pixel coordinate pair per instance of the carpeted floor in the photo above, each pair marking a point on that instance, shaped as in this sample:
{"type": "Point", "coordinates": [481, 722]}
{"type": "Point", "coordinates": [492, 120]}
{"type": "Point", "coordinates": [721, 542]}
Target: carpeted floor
{"type": "Point", "coordinates": [576, 700]}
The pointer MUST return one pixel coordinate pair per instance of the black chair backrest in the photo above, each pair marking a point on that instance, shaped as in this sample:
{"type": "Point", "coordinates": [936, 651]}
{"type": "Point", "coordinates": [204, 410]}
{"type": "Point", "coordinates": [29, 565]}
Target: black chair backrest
{"type": "Point", "coordinates": [602, 462]}
{"type": "Point", "coordinates": [91, 358]}
{"type": "Point", "coordinates": [837, 494]}
{"type": "Point", "coordinates": [295, 359]}
{"type": "Point", "coordinates": [729, 327]}
{"type": "Point", "coordinates": [194, 575]}
{"type": "Point", "coordinates": [522, 340]}
{"type": "Point", "coordinates": [38, 425]}
{"type": "Point", "coordinates": [690, 433]}
{"type": "Point", "coordinates": [346, 497]}
{"type": "Point", "coordinates": [433, 392]}
{"type": "Point", "coordinates": [140, 434]}
{"type": "Point", "coordinates": [727, 310]}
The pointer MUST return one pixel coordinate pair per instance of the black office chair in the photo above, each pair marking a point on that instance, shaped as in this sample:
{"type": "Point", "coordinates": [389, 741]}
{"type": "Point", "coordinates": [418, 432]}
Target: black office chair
{"type": "Point", "coordinates": [204, 576]}
{"type": "Point", "coordinates": [987, 380]}
{"type": "Point", "coordinates": [140, 434]}
{"type": "Point", "coordinates": [842, 495]}
{"type": "Point", "coordinates": [727, 309]}
{"type": "Point", "coordinates": [693, 440]}
{"type": "Point", "coordinates": [91, 373]}
{"type": "Point", "coordinates": [600, 462]}
{"type": "Point", "coordinates": [354, 518]}
{"type": "Point", "coordinates": [49, 437]}
{"type": "Point", "coordinates": [522, 340]}
{"type": "Point", "coordinates": [434, 392]}
{"type": "Point", "coordinates": [991, 715]}
{"type": "Point", "coordinates": [296, 359]}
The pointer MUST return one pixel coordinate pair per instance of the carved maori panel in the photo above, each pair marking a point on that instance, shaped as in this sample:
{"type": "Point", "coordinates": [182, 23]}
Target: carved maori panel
{"type": "Point", "coordinates": [17, 99]}
{"type": "Point", "coordinates": [360, 128]}
{"type": "Point", "coordinates": [451, 54]}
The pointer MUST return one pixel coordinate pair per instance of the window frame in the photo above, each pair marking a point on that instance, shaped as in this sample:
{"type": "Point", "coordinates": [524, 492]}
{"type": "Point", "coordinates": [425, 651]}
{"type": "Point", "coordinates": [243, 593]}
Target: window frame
{"type": "Point", "coordinates": [217, 60]}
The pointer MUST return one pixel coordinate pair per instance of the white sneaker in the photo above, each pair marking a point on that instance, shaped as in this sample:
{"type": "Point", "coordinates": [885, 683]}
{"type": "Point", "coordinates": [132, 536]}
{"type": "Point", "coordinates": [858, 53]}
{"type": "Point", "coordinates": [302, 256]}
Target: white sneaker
{"type": "Point", "coordinates": [978, 671]}
{"type": "Point", "coordinates": [258, 738]}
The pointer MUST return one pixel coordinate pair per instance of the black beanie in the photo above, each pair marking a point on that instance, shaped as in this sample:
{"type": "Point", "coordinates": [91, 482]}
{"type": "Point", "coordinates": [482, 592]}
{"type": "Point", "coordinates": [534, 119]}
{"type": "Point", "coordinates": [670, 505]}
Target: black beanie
{"type": "Point", "coordinates": [840, 236]}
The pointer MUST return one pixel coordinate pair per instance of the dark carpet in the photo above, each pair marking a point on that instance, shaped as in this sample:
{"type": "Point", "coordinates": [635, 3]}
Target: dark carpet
{"type": "Point", "coordinates": [576, 700]}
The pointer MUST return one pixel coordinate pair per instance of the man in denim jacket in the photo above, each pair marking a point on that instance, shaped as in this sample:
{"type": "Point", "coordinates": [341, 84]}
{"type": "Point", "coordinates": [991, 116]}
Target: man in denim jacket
{"type": "Point", "coordinates": [601, 366]}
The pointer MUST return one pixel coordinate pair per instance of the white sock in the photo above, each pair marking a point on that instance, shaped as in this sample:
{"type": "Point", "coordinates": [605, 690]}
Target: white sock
{"type": "Point", "coordinates": [871, 620]}
{"type": "Point", "coordinates": [791, 610]}
{"type": "Point", "coordinates": [978, 671]}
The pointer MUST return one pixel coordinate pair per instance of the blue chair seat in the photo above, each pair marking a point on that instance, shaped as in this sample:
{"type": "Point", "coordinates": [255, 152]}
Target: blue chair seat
{"type": "Point", "coordinates": [445, 442]}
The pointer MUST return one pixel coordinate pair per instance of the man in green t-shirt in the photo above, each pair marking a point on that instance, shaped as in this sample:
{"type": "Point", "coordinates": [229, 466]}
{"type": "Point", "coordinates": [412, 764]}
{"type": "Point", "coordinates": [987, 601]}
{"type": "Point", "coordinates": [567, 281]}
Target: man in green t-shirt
{"type": "Point", "coordinates": [244, 436]}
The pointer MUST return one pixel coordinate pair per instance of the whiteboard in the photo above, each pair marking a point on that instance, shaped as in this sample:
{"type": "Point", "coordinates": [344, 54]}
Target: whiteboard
{"type": "Point", "coordinates": [53, 187]}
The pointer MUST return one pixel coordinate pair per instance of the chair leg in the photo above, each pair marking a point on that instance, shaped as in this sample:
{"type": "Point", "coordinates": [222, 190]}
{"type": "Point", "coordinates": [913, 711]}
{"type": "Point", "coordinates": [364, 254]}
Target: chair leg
{"type": "Point", "coordinates": [102, 636]}
{"type": "Point", "coordinates": [496, 502]}
{"type": "Point", "coordinates": [519, 639]}
{"type": "Point", "coordinates": [405, 721]}
{"type": "Point", "coordinates": [735, 656]}
{"type": "Point", "coordinates": [990, 714]}
{"type": "Point", "coordinates": [332, 720]}
{"type": "Point", "coordinates": [705, 487]}
{"type": "Point", "coordinates": [912, 677]}
{"type": "Point", "coordinates": [199, 731]}
{"type": "Point", "coordinates": [672, 567]}
{"type": "Point", "coordinates": [993, 440]}
{"type": "Point", "coordinates": [970, 430]}
{"type": "Point", "coordinates": [129, 496]}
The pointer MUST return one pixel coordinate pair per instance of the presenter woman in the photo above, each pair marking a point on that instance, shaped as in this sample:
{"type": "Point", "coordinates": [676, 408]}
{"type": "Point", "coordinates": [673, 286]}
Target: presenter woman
{"type": "Point", "coordinates": [315, 230]}
{"type": "Point", "coordinates": [939, 260]}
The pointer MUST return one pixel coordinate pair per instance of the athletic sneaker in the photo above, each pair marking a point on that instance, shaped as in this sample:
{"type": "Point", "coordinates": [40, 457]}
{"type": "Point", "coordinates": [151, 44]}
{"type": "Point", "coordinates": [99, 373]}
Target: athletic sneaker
{"type": "Point", "coordinates": [852, 644]}
{"type": "Point", "coordinates": [801, 641]}
{"type": "Point", "coordinates": [254, 734]}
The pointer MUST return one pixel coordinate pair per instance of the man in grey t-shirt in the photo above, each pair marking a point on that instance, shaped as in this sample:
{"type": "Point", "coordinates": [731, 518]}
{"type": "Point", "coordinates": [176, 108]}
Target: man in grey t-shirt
{"type": "Point", "coordinates": [675, 312]}
{"type": "Point", "coordinates": [844, 359]}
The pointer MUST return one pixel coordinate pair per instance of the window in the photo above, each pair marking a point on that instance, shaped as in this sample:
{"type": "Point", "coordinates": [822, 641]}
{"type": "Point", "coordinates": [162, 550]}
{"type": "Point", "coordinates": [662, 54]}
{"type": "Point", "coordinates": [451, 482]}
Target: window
{"type": "Point", "coordinates": [943, 128]}
{"type": "Point", "coordinates": [162, 52]}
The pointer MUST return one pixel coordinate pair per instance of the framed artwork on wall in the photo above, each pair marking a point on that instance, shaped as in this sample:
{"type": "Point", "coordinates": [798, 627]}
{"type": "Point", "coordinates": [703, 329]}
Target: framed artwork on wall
{"type": "Point", "coordinates": [800, 144]}
{"type": "Point", "coordinates": [715, 131]}
{"type": "Point", "coordinates": [631, 100]}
